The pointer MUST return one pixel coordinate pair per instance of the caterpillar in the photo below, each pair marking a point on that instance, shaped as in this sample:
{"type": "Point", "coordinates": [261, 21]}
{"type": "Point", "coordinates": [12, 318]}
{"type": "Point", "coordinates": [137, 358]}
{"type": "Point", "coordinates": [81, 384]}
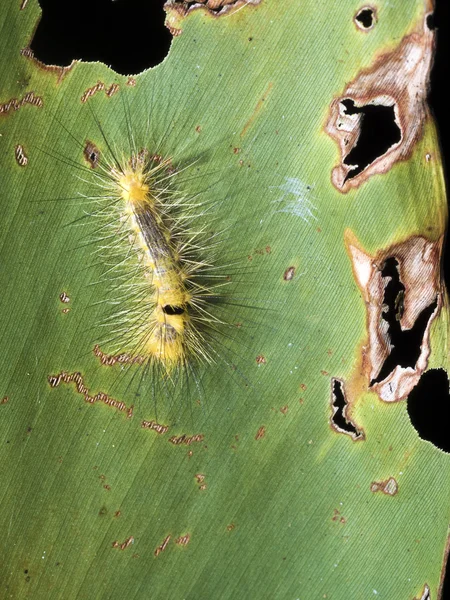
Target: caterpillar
{"type": "Point", "coordinates": [175, 304]}
{"type": "Point", "coordinates": [158, 249]}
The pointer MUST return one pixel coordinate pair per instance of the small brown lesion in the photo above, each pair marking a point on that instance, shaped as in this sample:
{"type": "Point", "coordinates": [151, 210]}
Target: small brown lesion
{"type": "Point", "coordinates": [15, 103]}
{"type": "Point", "coordinates": [4, 400]}
{"type": "Point", "coordinates": [162, 546]}
{"type": "Point", "coordinates": [91, 154]}
{"type": "Point", "coordinates": [186, 440]}
{"type": "Point", "coordinates": [77, 379]}
{"type": "Point", "coordinates": [124, 545]}
{"type": "Point", "coordinates": [388, 486]}
{"type": "Point", "coordinates": [396, 84]}
{"type": "Point", "coordinates": [289, 274]}
{"type": "Point", "coordinates": [100, 86]}
{"type": "Point", "coordinates": [260, 433]}
{"type": "Point", "coordinates": [183, 540]}
{"type": "Point", "coordinates": [20, 155]}
{"type": "Point", "coordinates": [154, 426]}
{"type": "Point", "coordinates": [108, 360]}
{"type": "Point", "coordinates": [200, 478]}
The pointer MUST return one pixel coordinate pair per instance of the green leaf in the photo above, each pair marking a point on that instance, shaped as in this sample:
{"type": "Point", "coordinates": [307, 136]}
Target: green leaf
{"type": "Point", "coordinates": [269, 501]}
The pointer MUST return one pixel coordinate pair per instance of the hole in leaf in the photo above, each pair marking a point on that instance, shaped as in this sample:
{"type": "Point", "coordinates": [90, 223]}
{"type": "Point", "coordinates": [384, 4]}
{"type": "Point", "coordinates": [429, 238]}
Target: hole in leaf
{"type": "Point", "coordinates": [378, 132]}
{"type": "Point", "coordinates": [406, 343]}
{"type": "Point", "coordinates": [429, 408]}
{"type": "Point", "coordinates": [172, 310]}
{"type": "Point", "coordinates": [365, 18]}
{"type": "Point", "coordinates": [339, 404]}
{"type": "Point", "coordinates": [128, 35]}
{"type": "Point", "coordinates": [431, 22]}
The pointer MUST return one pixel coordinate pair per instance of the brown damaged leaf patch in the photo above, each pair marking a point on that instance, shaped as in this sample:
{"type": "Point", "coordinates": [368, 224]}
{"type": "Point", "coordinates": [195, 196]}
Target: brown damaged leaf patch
{"type": "Point", "coordinates": [77, 380]}
{"type": "Point", "coordinates": [16, 103]}
{"type": "Point", "coordinates": [57, 70]}
{"type": "Point", "coordinates": [99, 87]}
{"type": "Point", "coordinates": [20, 156]}
{"type": "Point", "coordinates": [125, 544]}
{"type": "Point", "coordinates": [154, 426]}
{"type": "Point", "coordinates": [388, 486]}
{"type": "Point", "coordinates": [418, 265]}
{"type": "Point", "coordinates": [215, 7]}
{"type": "Point", "coordinates": [108, 360]}
{"type": "Point", "coordinates": [91, 155]}
{"type": "Point", "coordinates": [340, 418]}
{"type": "Point", "coordinates": [397, 80]}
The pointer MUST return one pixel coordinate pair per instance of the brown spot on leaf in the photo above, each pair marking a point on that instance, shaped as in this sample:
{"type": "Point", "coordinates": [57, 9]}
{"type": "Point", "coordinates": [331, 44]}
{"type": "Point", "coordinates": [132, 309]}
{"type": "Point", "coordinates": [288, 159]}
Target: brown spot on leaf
{"type": "Point", "coordinates": [289, 274]}
{"type": "Point", "coordinates": [20, 155]}
{"type": "Point", "coordinates": [99, 87]}
{"type": "Point", "coordinates": [260, 433]}
{"type": "Point", "coordinates": [77, 380]}
{"type": "Point", "coordinates": [388, 486]}
{"type": "Point", "coordinates": [163, 546]}
{"type": "Point", "coordinates": [186, 440]}
{"type": "Point", "coordinates": [109, 360]}
{"type": "Point", "coordinates": [131, 81]}
{"type": "Point", "coordinates": [64, 297]}
{"type": "Point", "coordinates": [337, 517]}
{"type": "Point", "coordinates": [260, 360]}
{"type": "Point", "coordinates": [15, 103]}
{"type": "Point", "coordinates": [23, 4]}
{"type": "Point", "coordinates": [230, 527]}
{"type": "Point", "coordinates": [4, 400]}
{"type": "Point", "coordinates": [393, 88]}
{"type": "Point", "coordinates": [161, 429]}
{"type": "Point", "coordinates": [91, 154]}
{"type": "Point", "coordinates": [415, 263]}
{"type": "Point", "coordinates": [125, 544]}
{"type": "Point", "coordinates": [183, 540]}
{"type": "Point", "coordinates": [284, 409]}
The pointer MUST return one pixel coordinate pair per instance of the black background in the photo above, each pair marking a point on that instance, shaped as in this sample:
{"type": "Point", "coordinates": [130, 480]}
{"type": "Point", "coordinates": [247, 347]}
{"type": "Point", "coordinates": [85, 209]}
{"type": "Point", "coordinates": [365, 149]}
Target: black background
{"type": "Point", "coordinates": [130, 36]}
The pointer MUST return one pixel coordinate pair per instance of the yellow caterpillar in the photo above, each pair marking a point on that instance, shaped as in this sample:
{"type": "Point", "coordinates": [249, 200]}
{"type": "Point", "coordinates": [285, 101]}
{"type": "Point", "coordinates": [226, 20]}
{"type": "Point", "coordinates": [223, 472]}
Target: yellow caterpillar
{"type": "Point", "coordinates": [167, 325]}
{"type": "Point", "coordinates": [164, 318]}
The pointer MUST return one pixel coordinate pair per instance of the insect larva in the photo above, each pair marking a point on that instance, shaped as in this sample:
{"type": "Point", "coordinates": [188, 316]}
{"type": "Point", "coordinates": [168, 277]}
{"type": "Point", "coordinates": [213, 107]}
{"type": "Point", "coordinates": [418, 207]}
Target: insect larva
{"type": "Point", "coordinates": [166, 324]}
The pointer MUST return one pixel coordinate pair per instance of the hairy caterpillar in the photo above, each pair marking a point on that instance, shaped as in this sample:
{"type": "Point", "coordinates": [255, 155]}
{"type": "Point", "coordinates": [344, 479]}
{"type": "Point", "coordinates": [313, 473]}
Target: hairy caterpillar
{"type": "Point", "coordinates": [157, 245]}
